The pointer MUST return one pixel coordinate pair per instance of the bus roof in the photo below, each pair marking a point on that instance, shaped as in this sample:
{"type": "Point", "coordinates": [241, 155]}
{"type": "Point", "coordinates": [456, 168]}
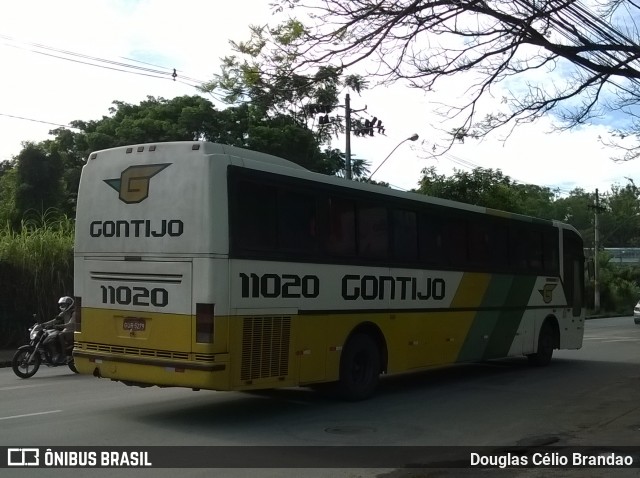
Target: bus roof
{"type": "Point", "coordinates": [270, 163]}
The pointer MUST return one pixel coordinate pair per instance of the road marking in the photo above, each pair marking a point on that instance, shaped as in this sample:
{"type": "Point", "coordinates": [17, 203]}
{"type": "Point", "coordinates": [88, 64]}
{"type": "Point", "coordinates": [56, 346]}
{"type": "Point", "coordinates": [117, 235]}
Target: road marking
{"type": "Point", "coordinates": [611, 338]}
{"type": "Point", "coordinates": [17, 387]}
{"type": "Point", "coordinates": [30, 414]}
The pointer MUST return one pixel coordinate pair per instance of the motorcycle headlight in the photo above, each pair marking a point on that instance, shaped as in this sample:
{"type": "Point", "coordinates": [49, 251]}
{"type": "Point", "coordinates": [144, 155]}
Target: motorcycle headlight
{"type": "Point", "coordinates": [33, 334]}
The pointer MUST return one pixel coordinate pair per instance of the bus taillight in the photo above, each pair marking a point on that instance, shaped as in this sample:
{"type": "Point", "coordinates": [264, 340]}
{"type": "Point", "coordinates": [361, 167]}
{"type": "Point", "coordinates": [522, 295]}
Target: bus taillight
{"type": "Point", "coordinates": [78, 306]}
{"type": "Point", "coordinates": [204, 323]}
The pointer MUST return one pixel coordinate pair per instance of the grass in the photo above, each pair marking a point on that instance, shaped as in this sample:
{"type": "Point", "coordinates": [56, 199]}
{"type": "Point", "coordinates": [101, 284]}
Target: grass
{"type": "Point", "coordinates": [36, 268]}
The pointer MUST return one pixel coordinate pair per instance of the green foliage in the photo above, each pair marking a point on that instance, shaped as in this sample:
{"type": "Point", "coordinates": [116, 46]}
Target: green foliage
{"type": "Point", "coordinates": [575, 210]}
{"type": "Point", "coordinates": [261, 73]}
{"type": "Point", "coordinates": [8, 212]}
{"type": "Point", "coordinates": [38, 181]}
{"type": "Point", "coordinates": [488, 188]}
{"type": "Point", "coordinates": [619, 226]}
{"type": "Point", "coordinates": [36, 268]}
{"type": "Point", "coordinates": [621, 222]}
{"type": "Point", "coordinates": [183, 118]}
{"type": "Point", "coordinates": [619, 286]}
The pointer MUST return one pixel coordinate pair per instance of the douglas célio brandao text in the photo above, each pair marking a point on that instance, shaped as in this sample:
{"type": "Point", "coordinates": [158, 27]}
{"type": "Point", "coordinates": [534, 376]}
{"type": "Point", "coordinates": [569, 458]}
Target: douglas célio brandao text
{"type": "Point", "coordinates": [550, 459]}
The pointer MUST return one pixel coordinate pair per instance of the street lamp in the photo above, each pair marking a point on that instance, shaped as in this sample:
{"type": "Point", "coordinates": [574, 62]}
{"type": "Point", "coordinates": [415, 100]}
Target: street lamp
{"type": "Point", "coordinates": [413, 137]}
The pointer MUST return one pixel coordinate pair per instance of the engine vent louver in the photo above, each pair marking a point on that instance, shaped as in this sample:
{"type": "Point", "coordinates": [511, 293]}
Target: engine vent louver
{"type": "Point", "coordinates": [265, 347]}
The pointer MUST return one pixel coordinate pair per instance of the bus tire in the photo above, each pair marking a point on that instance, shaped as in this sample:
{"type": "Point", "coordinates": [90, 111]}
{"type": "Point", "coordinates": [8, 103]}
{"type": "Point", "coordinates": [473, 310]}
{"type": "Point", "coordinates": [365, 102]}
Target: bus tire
{"type": "Point", "coordinates": [359, 368]}
{"type": "Point", "coordinates": [546, 344]}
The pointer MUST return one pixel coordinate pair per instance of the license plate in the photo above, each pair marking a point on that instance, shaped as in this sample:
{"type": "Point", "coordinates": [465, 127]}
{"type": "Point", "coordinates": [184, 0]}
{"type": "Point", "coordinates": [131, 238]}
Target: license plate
{"type": "Point", "coordinates": [134, 324]}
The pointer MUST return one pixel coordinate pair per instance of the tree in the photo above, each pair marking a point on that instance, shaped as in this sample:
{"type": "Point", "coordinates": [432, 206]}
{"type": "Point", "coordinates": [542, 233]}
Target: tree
{"type": "Point", "coordinates": [186, 118]}
{"type": "Point", "coordinates": [620, 224]}
{"type": "Point", "coordinates": [38, 181]}
{"type": "Point", "coordinates": [8, 213]}
{"type": "Point", "coordinates": [494, 41]}
{"type": "Point", "coordinates": [5, 166]}
{"type": "Point", "coordinates": [488, 188]}
{"type": "Point", "coordinates": [260, 76]}
{"type": "Point", "coordinates": [574, 209]}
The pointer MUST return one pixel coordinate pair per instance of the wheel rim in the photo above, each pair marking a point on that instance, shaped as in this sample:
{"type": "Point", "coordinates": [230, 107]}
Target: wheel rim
{"type": "Point", "coordinates": [24, 365]}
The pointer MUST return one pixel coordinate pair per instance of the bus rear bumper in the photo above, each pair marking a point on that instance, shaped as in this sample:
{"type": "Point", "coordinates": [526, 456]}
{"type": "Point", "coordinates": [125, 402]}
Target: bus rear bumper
{"type": "Point", "coordinates": [152, 371]}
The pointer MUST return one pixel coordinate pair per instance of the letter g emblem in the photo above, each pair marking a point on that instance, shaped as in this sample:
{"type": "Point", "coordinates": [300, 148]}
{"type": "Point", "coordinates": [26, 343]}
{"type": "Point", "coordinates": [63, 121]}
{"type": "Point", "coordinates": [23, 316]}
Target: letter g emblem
{"type": "Point", "coordinates": [133, 184]}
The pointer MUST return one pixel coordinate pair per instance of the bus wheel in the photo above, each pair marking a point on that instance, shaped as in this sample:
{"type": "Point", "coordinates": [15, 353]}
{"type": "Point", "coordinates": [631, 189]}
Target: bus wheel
{"type": "Point", "coordinates": [359, 368]}
{"type": "Point", "coordinates": [546, 343]}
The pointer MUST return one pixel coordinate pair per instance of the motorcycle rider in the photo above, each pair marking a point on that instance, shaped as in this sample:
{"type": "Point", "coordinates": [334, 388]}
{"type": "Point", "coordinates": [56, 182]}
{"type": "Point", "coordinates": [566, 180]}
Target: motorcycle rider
{"type": "Point", "coordinates": [64, 323]}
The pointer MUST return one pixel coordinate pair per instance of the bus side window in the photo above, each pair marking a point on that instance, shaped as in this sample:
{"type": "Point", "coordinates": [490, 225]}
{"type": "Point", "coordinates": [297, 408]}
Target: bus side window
{"type": "Point", "coordinates": [297, 222]}
{"type": "Point", "coordinates": [479, 243]}
{"type": "Point", "coordinates": [518, 256]}
{"type": "Point", "coordinates": [373, 231]}
{"type": "Point", "coordinates": [499, 245]}
{"type": "Point", "coordinates": [255, 216]}
{"type": "Point", "coordinates": [430, 240]}
{"type": "Point", "coordinates": [404, 229]}
{"type": "Point", "coordinates": [455, 241]}
{"type": "Point", "coordinates": [550, 252]}
{"type": "Point", "coordinates": [534, 240]}
{"type": "Point", "coordinates": [341, 235]}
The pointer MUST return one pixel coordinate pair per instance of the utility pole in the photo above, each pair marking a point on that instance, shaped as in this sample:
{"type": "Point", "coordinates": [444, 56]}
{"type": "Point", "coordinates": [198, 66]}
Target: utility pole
{"type": "Point", "coordinates": [596, 245]}
{"type": "Point", "coordinates": [347, 148]}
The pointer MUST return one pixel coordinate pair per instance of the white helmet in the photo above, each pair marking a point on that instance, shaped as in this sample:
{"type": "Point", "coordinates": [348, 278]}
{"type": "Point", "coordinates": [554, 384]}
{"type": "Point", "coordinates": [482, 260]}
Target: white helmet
{"type": "Point", "coordinates": [65, 303]}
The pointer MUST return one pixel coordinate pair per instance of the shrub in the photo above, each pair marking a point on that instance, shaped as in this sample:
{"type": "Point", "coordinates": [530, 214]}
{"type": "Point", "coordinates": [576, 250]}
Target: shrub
{"type": "Point", "coordinates": [36, 268]}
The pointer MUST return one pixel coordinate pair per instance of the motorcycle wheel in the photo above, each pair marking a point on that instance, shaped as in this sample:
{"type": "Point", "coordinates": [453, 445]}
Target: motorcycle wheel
{"type": "Point", "coordinates": [21, 365]}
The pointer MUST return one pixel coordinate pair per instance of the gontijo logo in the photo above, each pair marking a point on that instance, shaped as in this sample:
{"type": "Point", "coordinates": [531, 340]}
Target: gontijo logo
{"type": "Point", "coordinates": [133, 184]}
{"type": "Point", "coordinates": [547, 292]}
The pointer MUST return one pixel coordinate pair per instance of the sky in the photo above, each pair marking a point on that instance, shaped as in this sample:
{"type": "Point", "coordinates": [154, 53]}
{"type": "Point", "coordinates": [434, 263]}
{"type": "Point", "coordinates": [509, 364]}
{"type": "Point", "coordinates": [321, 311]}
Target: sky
{"type": "Point", "coordinates": [39, 90]}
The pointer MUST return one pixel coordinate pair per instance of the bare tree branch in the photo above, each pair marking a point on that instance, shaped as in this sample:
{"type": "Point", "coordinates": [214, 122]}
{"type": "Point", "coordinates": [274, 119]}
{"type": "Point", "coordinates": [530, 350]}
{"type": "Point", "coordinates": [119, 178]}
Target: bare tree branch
{"type": "Point", "coordinates": [423, 42]}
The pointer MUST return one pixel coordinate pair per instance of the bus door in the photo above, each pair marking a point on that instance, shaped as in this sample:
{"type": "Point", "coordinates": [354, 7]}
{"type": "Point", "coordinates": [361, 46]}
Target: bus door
{"type": "Point", "coordinates": [142, 304]}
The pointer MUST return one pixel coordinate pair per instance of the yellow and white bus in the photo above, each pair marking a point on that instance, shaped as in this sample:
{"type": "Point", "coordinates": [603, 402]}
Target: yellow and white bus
{"type": "Point", "coordinates": [208, 266]}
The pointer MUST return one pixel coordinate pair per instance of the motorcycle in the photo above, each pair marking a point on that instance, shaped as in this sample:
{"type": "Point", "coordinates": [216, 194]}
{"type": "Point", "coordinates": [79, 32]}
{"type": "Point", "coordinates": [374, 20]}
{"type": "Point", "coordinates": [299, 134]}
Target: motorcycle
{"type": "Point", "coordinates": [28, 358]}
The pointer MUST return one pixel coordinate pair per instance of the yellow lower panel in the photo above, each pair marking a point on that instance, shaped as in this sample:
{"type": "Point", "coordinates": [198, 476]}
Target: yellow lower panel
{"type": "Point", "coordinates": [167, 374]}
{"type": "Point", "coordinates": [266, 351]}
{"type": "Point", "coordinates": [146, 330]}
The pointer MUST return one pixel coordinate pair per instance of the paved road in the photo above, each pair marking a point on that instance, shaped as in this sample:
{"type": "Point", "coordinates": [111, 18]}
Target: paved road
{"type": "Point", "coordinates": [587, 397]}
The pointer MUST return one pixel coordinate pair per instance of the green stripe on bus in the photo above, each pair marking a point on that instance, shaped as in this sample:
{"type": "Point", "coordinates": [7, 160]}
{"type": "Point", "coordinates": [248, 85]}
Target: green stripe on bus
{"type": "Point", "coordinates": [509, 320]}
{"type": "Point", "coordinates": [484, 323]}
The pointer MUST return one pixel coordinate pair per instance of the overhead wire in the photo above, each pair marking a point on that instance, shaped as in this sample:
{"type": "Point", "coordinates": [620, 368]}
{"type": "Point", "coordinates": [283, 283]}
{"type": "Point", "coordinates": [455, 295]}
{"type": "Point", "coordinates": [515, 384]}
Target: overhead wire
{"type": "Point", "coordinates": [37, 121]}
{"type": "Point", "coordinates": [68, 55]}
{"type": "Point", "coordinates": [158, 72]}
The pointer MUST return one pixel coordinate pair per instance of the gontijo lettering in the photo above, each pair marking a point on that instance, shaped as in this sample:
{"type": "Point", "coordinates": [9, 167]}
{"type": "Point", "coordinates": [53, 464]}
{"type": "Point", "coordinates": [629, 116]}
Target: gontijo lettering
{"type": "Point", "coordinates": [137, 228]}
{"type": "Point", "coordinates": [371, 287]}
{"type": "Point", "coordinates": [366, 287]}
